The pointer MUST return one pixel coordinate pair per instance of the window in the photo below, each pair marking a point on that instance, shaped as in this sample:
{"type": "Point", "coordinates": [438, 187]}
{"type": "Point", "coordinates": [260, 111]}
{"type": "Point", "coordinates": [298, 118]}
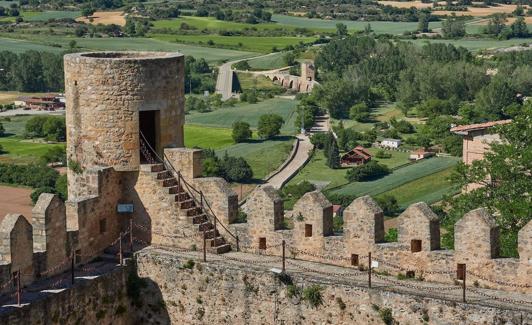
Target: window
{"type": "Point", "coordinates": [460, 271]}
{"type": "Point", "coordinates": [262, 243]}
{"type": "Point", "coordinates": [415, 245]}
{"type": "Point", "coordinates": [103, 226]}
{"type": "Point", "coordinates": [308, 230]}
{"type": "Point", "coordinates": [354, 259]}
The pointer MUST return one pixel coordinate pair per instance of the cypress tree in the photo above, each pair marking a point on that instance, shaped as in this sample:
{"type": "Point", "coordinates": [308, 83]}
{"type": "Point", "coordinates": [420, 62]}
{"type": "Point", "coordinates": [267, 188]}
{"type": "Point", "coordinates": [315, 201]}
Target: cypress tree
{"type": "Point", "coordinates": [333, 159]}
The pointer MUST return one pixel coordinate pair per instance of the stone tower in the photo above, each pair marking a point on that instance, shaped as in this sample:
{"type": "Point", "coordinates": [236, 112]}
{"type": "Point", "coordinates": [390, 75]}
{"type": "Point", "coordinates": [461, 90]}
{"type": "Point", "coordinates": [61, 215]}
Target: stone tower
{"type": "Point", "coordinates": [308, 71]}
{"type": "Point", "coordinates": [111, 96]}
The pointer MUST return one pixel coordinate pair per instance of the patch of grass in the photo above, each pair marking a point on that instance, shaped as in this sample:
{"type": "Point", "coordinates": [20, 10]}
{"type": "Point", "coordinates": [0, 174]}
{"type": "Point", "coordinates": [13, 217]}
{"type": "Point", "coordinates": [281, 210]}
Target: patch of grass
{"type": "Point", "coordinates": [263, 156]}
{"type": "Point", "coordinates": [293, 291]}
{"type": "Point", "coordinates": [246, 43]}
{"type": "Point", "coordinates": [250, 81]}
{"type": "Point", "coordinates": [250, 113]}
{"type": "Point", "coordinates": [207, 137]}
{"type": "Point", "coordinates": [313, 296]}
{"type": "Point", "coordinates": [316, 171]}
{"type": "Point", "coordinates": [399, 177]}
{"type": "Point", "coordinates": [398, 158]}
{"type": "Point", "coordinates": [19, 150]}
{"type": "Point", "coordinates": [46, 15]}
{"type": "Point", "coordinates": [213, 24]}
{"type": "Point", "coordinates": [19, 46]}
{"type": "Point", "coordinates": [270, 62]}
{"type": "Point", "coordinates": [189, 264]}
{"type": "Point", "coordinates": [427, 189]}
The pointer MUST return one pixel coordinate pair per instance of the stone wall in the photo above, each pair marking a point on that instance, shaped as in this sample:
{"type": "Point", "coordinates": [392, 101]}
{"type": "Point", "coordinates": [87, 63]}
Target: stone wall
{"type": "Point", "coordinates": [102, 300]}
{"type": "Point", "coordinates": [223, 293]}
{"type": "Point", "coordinates": [416, 253]}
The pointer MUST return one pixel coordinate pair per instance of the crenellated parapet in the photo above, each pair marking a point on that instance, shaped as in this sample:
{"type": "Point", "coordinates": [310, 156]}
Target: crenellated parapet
{"type": "Point", "coordinates": [417, 252]}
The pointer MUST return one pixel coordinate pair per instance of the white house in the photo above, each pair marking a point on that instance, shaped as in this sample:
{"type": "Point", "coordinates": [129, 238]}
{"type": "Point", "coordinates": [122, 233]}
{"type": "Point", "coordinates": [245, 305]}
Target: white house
{"type": "Point", "coordinates": [391, 143]}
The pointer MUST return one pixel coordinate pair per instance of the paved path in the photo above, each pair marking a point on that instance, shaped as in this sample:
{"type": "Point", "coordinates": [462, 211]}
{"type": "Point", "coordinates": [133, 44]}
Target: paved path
{"type": "Point", "coordinates": [353, 278]}
{"type": "Point", "coordinates": [224, 83]}
{"type": "Point", "coordinates": [300, 158]}
{"type": "Point", "coordinates": [302, 154]}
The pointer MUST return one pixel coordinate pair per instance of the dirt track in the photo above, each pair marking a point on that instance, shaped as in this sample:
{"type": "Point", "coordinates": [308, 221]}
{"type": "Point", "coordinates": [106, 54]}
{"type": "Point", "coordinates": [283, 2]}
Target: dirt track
{"type": "Point", "coordinates": [105, 18]}
{"type": "Point", "coordinates": [15, 200]}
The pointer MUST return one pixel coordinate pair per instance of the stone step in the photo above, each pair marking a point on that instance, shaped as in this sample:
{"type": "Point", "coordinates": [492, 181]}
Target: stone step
{"type": "Point", "coordinates": [187, 204]}
{"type": "Point", "coordinates": [214, 242]}
{"type": "Point", "coordinates": [174, 190]}
{"type": "Point", "coordinates": [168, 182]}
{"type": "Point", "coordinates": [182, 196]}
{"type": "Point", "coordinates": [212, 233]}
{"type": "Point", "coordinates": [220, 249]}
{"type": "Point", "coordinates": [193, 211]}
{"type": "Point", "coordinates": [196, 220]}
{"type": "Point", "coordinates": [163, 174]}
{"type": "Point", "coordinates": [205, 226]}
{"type": "Point", "coordinates": [157, 168]}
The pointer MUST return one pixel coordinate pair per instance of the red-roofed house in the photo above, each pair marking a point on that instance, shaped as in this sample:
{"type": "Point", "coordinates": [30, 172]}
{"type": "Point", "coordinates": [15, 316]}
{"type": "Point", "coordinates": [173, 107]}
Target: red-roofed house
{"type": "Point", "coordinates": [477, 139]}
{"type": "Point", "coordinates": [420, 153]}
{"type": "Point", "coordinates": [356, 156]}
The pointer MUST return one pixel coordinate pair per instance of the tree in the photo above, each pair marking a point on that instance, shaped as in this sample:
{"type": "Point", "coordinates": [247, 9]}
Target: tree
{"type": "Point", "coordinates": [241, 131]}
{"type": "Point", "coordinates": [453, 27]}
{"type": "Point", "coordinates": [236, 169]}
{"type": "Point", "coordinates": [493, 98]}
{"type": "Point", "coordinates": [289, 58]}
{"type": "Point", "coordinates": [496, 24]}
{"type": "Point", "coordinates": [504, 174]}
{"type": "Point", "coordinates": [360, 112]}
{"type": "Point", "coordinates": [2, 130]}
{"type": "Point", "coordinates": [341, 29]}
{"type": "Point", "coordinates": [367, 172]}
{"type": "Point", "coordinates": [72, 44]}
{"type": "Point", "coordinates": [423, 22]}
{"type": "Point", "coordinates": [242, 65]}
{"type": "Point", "coordinates": [388, 204]}
{"type": "Point", "coordinates": [55, 155]}
{"type": "Point", "coordinates": [87, 11]}
{"type": "Point", "coordinates": [333, 157]}
{"type": "Point", "coordinates": [269, 125]}
{"type": "Point", "coordinates": [519, 28]}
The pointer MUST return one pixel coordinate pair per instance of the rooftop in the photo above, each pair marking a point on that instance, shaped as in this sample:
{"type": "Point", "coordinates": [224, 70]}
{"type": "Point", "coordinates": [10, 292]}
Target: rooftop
{"type": "Point", "coordinates": [478, 126]}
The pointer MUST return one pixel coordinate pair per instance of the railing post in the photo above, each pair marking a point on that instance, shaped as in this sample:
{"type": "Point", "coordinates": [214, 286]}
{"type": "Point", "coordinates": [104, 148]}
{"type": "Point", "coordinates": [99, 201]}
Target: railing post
{"type": "Point", "coordinates": [237, 244]}
{"type": "Point", "coordinates": [72, 264]}
{"type": "Point", "coordinates": [204, 246]}
{"type": "Point", "coordinates": [178, 181]}
{"type": "Point", "coordinates": [131, 235]}
{"type": "Point", "coordinates": [284, 244]}
{"type": "Point", "coordinates": [120, 248]}
{"type": "Point", "coordinates": [464, 284]}
{"type": "Point", "coordinates": [369, 270]}
{"type": "Point", "coordinates": [19, 289]}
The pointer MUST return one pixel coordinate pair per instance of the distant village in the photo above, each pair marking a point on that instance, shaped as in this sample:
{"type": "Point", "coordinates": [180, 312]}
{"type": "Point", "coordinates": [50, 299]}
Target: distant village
{"type": "Point", "coordinates": [46, 102]}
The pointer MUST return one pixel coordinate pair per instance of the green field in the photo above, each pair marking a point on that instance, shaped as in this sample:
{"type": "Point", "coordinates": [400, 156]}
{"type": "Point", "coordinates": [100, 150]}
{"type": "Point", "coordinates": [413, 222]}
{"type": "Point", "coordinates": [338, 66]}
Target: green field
{"type": "Point", "coordinates": [214, 24]}
{"type": "Point", "coordinates": [397, 159]}
{"type": "Point", "coordinates": [316, 171]}
{"type": "Point", "coordinates": [379, 27]}
{"type": "Point", "coordinates": [270, 62]}
{"type": "Point", "coordinates": [207, 137]}
{"type": "Point", "coordinates": [477, 44]}
{"type": "Point", "coordinates": [250, 113]}
{"type": "Point", "coordinates": [399, 177]}
{"type": "Point", "coordinates": [249, 81]}
{"type": "Point", "coordinates": [263, 156]}
{"type": "Point", "coordinates": [428, 189]}
{"type": "Point", "coordinates": [46, 15]}
{"type": "Point", "coordinates": [245, 43]}
{"type": "Point", "coordinates": [16, 148]}
{"type": "Point", "coordinates": [59, 44]}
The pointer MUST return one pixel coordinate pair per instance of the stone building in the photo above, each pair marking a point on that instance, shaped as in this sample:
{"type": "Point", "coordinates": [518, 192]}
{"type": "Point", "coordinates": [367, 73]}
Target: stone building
{"type": "Point", "coordinates": [477, 139]}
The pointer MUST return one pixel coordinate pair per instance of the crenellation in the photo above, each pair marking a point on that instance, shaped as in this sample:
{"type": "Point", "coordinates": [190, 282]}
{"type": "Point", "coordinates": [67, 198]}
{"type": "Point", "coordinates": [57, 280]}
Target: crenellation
{"type": "Point", "coordinates": [476, 236]}
{"type": "Point", "coordinates": [16, 235]}
{"type": "Point", "coordinates": [418, 225]}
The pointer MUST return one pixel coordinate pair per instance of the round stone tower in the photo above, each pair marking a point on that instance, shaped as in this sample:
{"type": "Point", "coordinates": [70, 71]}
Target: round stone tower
{"type": "Point", "coordinates": [113, 97]}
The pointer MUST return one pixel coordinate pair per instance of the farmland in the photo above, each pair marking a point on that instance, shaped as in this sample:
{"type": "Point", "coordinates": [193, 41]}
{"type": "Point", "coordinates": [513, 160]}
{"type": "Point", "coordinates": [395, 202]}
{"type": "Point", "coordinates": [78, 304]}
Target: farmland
{"type": "Point", "coordinates": [225, 117]}
{"type": "Point", "coordinates": [207, 137]}
{"type": "Point", "coordinates": [427, 189]}
{"type": "Point", "coordinates": [478, 44]}
{"type": "Point", "coordinates": [270, 62]}
{"type": "Point", "coordinates": [245, 43]}
{"type": "Point", "coordinates": [58, 44]}
{"type": "Point", "coordinates": [105, 18]}
{"type": "Point", "coordinates": [399, 177]}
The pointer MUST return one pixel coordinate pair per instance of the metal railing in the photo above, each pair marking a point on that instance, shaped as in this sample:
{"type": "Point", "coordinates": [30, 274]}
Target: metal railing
{"type": "Point", "coordinates": [197, 195]}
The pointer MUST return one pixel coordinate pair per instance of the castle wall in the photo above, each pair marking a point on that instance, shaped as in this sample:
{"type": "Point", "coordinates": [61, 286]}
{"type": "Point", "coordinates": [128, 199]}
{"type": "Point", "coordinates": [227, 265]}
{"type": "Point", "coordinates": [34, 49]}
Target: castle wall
{"type": "Point", "coordinates": [228, 293]}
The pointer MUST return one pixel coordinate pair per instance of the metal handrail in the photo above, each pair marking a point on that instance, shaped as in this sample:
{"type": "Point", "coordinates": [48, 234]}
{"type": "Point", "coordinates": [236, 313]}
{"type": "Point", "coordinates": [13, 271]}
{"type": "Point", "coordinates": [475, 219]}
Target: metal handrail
{"type": "Point", "coordinates": [180, 179]}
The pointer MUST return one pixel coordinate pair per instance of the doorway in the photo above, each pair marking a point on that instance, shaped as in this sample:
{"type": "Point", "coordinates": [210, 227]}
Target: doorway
{"type": "Point", "coordinates": [148, 121]}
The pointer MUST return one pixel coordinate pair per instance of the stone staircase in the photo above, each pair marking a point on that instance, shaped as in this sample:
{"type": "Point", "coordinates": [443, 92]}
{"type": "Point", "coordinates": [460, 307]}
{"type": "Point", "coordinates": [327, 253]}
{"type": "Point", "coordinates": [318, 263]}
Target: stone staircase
{"type": "Point", "coordinates": [196, 215]}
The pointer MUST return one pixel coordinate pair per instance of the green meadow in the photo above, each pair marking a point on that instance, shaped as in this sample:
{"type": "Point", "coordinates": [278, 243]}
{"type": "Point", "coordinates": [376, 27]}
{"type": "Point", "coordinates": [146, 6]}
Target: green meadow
{"type": "Point", "coordinates": [250, 113]}
{"type": "Point", "coordinates": [474, 44]}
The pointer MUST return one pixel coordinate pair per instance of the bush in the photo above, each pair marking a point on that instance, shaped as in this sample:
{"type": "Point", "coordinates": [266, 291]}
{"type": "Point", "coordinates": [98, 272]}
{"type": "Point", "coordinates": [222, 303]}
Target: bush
{"type": "Point", "coordinates": [388, 204]}
{"type": "Point", "coordinates": [383, 154]}
{"type": "Point", "coordinates": [386, 316]}
{"type": "Point", "coordinates": [391, 235]}
{"type": "Point", "coordinates": [269, 125]}
{"type": "Point", "coordinates": [28, 175]}
{"type": "Point", "coordinates": [298, 190]}
{"type": "Point", "coordinates": [55, 155]}
{"type": "Point", "coordinates": [360, 112]}
{"type": "Point", "coordinates": [242, 65]}
{"type": "Point", "coordinates": [313, 296]}
{"type": "Point", "coordinates": [319, 140]}
{"type": "Point", "coordinates": [38, 191]}
{"type": "Point", "coordinates": [241, 132]}
{"type": "Point", "coordinates": [49, 127]}
{"type": "Point", "coordinates": [370, 171]}
{"type": "Point", "coordinates": [236, 169]}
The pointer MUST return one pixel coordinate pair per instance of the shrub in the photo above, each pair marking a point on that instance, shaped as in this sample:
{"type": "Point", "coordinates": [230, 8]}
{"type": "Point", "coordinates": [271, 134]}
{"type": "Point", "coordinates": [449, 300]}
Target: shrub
{"type": "Point", "coordinates": [38, 191]}
{"type": "Point", "coordinates": [269, 125]}
{"type": "Point", "coordinates": [293, 291]}
{"type": "Point", "coordinates": [189, 264]}
{"type": "Point", "coordinates": [391, 235]}
{"type": "Point", "coordinates": [386, 316]}
{"type": "Point", "coordinates": [28, 175]}
{"type": "Point", "coordinates": [313, 296]}
{"type": "Point", "coordinates": [241, 131]}
{"type": "Point", "coordinates": [236, 169]}
{"type": "Point", "coordinates": [242, 217]}
{"type": "Point", "coordinates": [388, 204]}
{"type": "Point", "coordinates": [242, 65]}
{"type": "Point", "coordinates": [55, 155]}
{"type": "Point", "coordinates": [383, 154]}
{"type": "Point", "coordinates": [299, 189]}
{"type": "Point", "coordinates": [370, 171]}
